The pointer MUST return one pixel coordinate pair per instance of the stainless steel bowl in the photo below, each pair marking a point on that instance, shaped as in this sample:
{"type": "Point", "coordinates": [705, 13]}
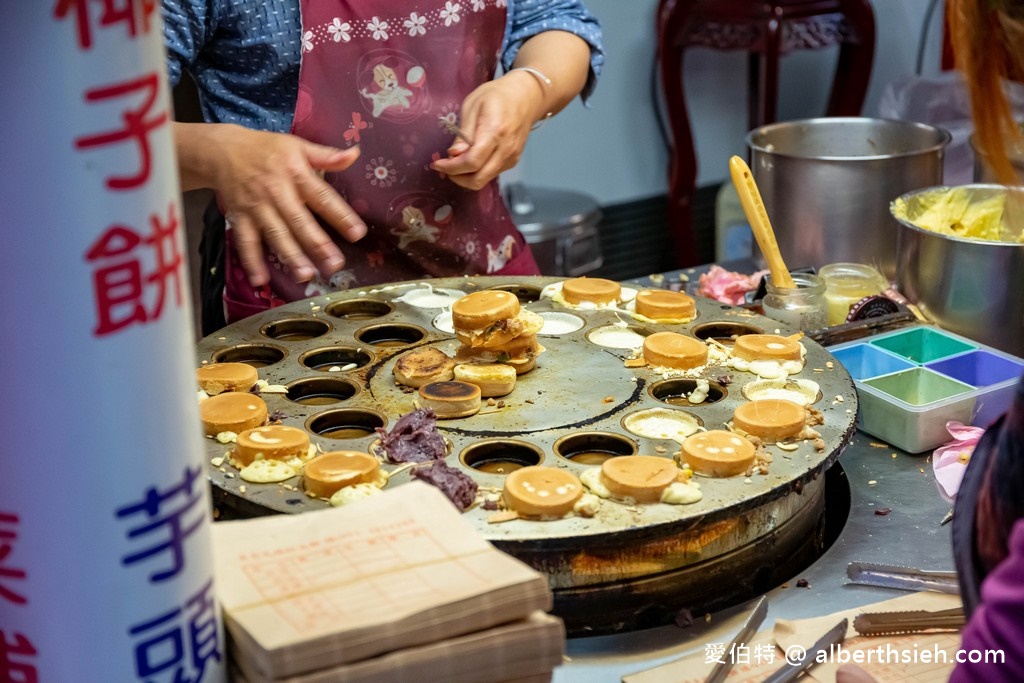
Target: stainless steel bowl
{"type": "Point", "coordinates": [972, 287]}
{"type": "Point", "coordinates": [827, 184]}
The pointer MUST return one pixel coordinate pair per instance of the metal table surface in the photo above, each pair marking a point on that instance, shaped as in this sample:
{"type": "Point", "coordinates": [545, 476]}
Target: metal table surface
{"type": "Point", "coordinates": [911, 534]}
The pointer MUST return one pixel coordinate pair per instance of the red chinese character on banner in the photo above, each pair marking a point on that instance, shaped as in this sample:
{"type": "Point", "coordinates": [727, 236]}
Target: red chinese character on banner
{"type": "Point", "coordinates": [134, 13]}
{"type": "Point", "coordinates": [8, 574]}
{"type": "Point", "coordinates": [120, 286]}
{"type": "Point", "coordinates": [138, 124]}
{"type": "Point", "coordinates": [17, 646]}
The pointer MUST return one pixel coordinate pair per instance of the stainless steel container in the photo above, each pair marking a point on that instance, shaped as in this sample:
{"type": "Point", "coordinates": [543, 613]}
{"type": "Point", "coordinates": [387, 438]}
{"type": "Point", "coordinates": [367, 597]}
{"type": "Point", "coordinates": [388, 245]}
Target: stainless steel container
{"type": "Point", "coordinates": [983, 172]}
{"type": "Point", "coordinates": [968, 286]}
{"type": "Point", "coordinates": [561, 228]}
{"type": "Point", "coordinates": [827, 184]}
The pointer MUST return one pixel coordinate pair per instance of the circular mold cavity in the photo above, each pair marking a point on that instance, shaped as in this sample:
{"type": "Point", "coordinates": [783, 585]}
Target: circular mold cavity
{"type": "Point", "coordinates": [500, 457]}
{"type": "Point", "coordinates": [336, 359]}
{"type": "Point", "coordinates": [618, 336]}
{"type": "Point", "coordinates": [428, 296]}
{"type": "Point", "coordinates": [256, 355]}
{"type": "Point", "coordinates": [321, 391]}
{"type": "Point", "coordinates": [802, 391]}
{"type": "Point", "coordinates": [677, 392]}
{"type": "Point", "coordinates": [359, 309]}
{"type": "Point", "coordinates": [556, 323]}
{"type": "Point", "coordinates": [662, 423]}
{"type": "Point", "coordinates": [724, 332]}
{"type": "Point", "coordinates": [527, 294]}
{"type": "Point", "coordinates": [593, 448]}
{"type": "Point", "coordinates": [391, 335]}
{"type": "Point", "coordinates": [296, 329]}
{"type": "Point", "coordinates": [346, 423]}
{"type": "Point", "coordinates": [443, 322]}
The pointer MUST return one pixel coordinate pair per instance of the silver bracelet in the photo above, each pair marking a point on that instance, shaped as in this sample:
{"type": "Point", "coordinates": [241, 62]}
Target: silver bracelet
{"type": "Point", "coordinates": [536, 73]}
{"type": "Point", "coordinates": [545, 83]}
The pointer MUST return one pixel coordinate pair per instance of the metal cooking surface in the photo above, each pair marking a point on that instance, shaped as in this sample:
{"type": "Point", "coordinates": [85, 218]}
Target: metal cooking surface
{"type": "Point", "coordinates": [576, 387]}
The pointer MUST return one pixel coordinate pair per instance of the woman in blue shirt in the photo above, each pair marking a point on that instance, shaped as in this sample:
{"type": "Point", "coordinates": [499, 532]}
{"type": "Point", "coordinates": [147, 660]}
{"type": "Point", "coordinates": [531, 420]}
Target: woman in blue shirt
{"type": "Point", "coordinates": [360, 141]}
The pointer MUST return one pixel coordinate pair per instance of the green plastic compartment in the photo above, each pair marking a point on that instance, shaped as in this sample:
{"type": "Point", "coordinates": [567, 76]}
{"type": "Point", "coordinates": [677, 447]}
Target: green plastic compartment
{"type": "Point", "coordinates": [919, 386]}
{"type": "Point", "coordinates": [922, 344]}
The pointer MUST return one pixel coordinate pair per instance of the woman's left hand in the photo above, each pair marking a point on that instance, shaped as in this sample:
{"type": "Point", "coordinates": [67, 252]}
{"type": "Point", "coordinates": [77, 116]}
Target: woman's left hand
{"type": "Point", "coordinates": [497, 117]}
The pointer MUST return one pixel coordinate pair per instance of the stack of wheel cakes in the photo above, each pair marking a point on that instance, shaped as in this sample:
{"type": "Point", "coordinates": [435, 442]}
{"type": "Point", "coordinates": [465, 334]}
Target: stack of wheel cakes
{"type": "Point", "coordinates": [497, 342]}
{"type": "Point", "coordinates": [494, 328]}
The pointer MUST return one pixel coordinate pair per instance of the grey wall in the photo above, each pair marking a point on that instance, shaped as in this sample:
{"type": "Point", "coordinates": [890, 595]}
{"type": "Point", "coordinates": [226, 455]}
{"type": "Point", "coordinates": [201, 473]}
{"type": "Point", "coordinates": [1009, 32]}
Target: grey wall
{"type": "Point", "coordinates": [613, 150]}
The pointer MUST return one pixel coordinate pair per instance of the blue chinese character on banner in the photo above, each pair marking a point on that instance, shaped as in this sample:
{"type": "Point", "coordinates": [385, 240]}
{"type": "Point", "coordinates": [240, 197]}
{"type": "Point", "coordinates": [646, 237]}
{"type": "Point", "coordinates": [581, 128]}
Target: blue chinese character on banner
{"type": "Point", "coordinates": [173, 515]}
{"type": "Point", "coordinates": [177, 645]}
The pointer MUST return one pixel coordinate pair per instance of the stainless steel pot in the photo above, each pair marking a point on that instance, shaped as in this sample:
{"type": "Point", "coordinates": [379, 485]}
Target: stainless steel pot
{"type": "Point", "coordinates": [972, 287]}
{"type": "Point", "coordinates": [827, 184]}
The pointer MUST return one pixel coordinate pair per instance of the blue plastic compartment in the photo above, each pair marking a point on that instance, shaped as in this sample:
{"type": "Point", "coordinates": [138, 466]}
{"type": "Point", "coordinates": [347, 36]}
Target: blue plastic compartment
{"type": "Point", "coordinates": [984, 369]}
{"type": "Point", "coordinates": [864, 361]}
{"type": "Point", "coordinates": [980, 368]}
{"type": "Point", "coordinates": [923, 344]}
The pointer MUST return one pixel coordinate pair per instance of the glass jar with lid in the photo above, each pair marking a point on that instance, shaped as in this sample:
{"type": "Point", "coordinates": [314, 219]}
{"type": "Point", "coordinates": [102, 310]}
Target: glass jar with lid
{"type": "Point", "coordinates": [846, 284]}
{"type": "Point", "coordinates": [802, 306]}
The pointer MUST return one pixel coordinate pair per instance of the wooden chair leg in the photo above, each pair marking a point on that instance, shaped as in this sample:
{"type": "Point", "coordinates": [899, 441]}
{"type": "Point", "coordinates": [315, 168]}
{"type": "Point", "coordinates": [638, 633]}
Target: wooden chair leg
{"type": "Point", "coordinates": [856, 56]}
{"type": "Point", "coordinates": [768, 84]}
{"type": "Point", "coordinates": [682, 178]}
{"type": "Point", "coordinates": [682, 157]}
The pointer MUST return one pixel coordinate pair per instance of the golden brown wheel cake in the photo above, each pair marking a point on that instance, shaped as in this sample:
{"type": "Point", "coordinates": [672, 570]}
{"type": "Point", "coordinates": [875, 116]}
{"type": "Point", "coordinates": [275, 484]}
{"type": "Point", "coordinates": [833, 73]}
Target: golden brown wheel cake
{"type": "Point", "coordinates": [640, 477]}
{"type": "Point", "coordinates": [752, 347]}
{"type": "Point", "coordinates": [718, 453]}
{"type": "Point", "coordinates": [675, 351]}
{"type": "Point", "coordinates": [538, 491]}
{"type": "Point", "coordinates": [423, 366]}
{"type": "Point", "coordinates": [216, 378]}
{"type": "Point", "coordinates": [271, 442]}
{"type": "Point", "coordinates": [328, 472]}
{"type": "Point", "coordinates": [592, 290]}
{"type": "Point", "coordinates": [494, 379]}
{"type": "Point", "coordinates": [662, 304]}
{"type": "Point", "coordinates": [521, 353]}
{"type": "Point", "coordinates": [232, 411]}
{"type": "Point", "coordinates": [772, 419]}
{"type": "Point", "coordinates": [486, 318]}
{"type": "Point", "coordinates": [503, 332]}
{"type": "Point", "coordinates": [450, 399]}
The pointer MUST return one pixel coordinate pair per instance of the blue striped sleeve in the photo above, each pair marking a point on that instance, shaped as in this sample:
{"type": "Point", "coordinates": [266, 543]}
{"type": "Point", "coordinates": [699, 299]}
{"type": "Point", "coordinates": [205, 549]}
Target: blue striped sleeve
{"type": "Point", "coordinates": [530, 17]}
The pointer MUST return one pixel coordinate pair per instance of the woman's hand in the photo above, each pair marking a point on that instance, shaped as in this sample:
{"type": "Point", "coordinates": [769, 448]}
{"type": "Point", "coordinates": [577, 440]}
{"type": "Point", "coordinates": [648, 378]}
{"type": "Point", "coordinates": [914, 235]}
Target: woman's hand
{"type": "Point", "coordinates": [270, 187]}
{"type": "Point", "coordinates": [497, 117]}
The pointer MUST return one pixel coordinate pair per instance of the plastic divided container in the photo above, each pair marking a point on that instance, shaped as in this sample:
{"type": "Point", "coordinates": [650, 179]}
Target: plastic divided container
{"type": "Point", "coordinates": [912, 381]}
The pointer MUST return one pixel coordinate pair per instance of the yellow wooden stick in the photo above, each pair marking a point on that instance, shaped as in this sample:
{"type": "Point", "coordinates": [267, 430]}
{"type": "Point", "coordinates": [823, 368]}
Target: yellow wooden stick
{"type": "Point", "coordinates": [753, 207]}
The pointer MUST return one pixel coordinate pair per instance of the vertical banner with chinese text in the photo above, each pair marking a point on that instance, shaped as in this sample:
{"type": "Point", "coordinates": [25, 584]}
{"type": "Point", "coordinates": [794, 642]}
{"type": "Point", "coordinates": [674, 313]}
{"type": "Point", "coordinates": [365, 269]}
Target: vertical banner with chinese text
{"type": "Point", "coordinates": [105, 557]}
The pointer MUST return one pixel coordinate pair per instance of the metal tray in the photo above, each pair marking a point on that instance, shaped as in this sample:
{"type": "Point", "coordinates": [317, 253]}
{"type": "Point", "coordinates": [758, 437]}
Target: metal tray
{"type": "Point", "coordinates": [578, 390]}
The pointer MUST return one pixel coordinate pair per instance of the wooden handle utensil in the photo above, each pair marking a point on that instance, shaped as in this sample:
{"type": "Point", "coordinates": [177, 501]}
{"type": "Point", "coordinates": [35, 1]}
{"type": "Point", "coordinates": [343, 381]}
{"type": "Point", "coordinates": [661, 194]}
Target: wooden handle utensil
{"type": "Point", "coordinates": [753, 207]}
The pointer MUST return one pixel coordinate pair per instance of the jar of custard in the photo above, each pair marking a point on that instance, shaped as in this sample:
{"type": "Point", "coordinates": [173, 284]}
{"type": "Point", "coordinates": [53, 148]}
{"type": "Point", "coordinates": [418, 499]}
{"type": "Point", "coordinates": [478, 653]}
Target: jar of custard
{"type": "Point", "coordinates": [846, 284]}
{"type": "Point", "coordinates": [802, 306]}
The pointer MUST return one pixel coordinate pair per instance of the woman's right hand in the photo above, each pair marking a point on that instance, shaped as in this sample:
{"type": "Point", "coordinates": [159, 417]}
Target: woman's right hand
{"type": "Point", "coordinates": [270, 186]}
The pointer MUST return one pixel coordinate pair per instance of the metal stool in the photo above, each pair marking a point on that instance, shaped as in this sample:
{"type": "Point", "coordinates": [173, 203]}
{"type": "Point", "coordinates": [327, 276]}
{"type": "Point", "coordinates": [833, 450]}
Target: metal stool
{"type": "Point", "coordinates": [766, 30]}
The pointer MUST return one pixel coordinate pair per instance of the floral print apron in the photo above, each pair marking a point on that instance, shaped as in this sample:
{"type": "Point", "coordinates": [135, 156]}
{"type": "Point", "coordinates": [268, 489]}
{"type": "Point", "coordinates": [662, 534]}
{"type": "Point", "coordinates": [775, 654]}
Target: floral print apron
{"type": "Point", "coordinates": [390, 77]}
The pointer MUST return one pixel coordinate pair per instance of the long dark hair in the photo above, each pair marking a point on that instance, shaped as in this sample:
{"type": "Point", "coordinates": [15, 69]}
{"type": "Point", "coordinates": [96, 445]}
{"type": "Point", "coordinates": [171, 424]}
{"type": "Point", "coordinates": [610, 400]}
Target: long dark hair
{"type": "Point", "coordinates": [1001, 495]}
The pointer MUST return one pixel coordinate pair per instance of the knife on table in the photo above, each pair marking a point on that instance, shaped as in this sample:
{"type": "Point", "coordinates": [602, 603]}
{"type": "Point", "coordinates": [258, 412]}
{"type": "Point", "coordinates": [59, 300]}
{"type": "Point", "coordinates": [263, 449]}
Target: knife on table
{"type": "Point", "coordinates": [792, 670]}
{"type": "Point", "coordinates": [906, 578]}
{"type": "Point", "coordinates": [724, 665]}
